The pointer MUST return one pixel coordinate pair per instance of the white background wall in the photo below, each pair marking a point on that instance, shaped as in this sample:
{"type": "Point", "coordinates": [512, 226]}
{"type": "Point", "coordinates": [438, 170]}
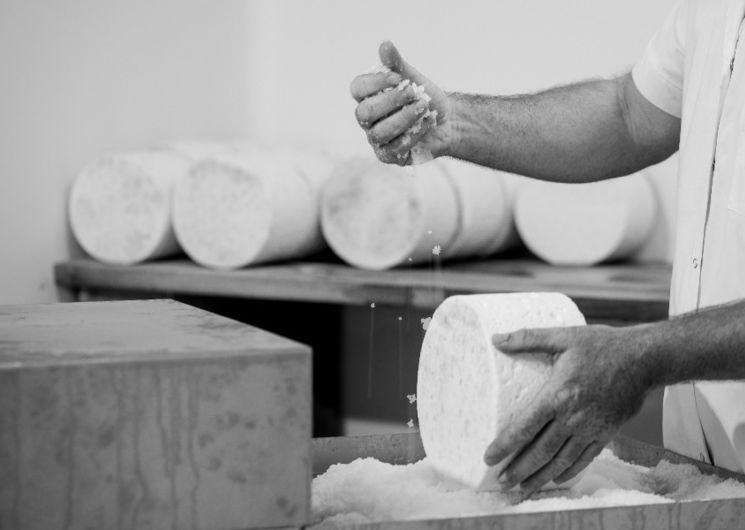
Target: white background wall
{"type": "Point", "coordinates": [82, 77]}
{"type": "Point", "coordinates": [78, 78]}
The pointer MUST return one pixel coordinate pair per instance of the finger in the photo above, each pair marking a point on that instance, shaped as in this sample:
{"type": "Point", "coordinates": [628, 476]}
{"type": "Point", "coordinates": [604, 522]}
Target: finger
{"type": "Point", "coordinates": [519, 433]}
{"type": "Point", "coordinates": [389, 157]}
{"type": "Point", "coordinates": [400, 148]}
{"type": "Point", "coordinates": [391, 58]}
{"type": "Point", "coordinates": [549, 341]}
{"type": "Point", "coordinates": [569, 453]}
{"type": "Point", "coordinates": [383, 104]}
{"type": "Point", "coordinates": [534, 456]}
{"type": "Point", "coordinates": [395, 125]}
{"type": "Point", "coordinates": [587, 456]}
{"type": "Point", "coordinates": [365, 85]}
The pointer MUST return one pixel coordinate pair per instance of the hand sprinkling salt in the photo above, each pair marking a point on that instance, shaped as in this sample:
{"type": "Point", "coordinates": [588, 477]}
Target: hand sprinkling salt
{"type": "Point", "coordinates": [425, 323]}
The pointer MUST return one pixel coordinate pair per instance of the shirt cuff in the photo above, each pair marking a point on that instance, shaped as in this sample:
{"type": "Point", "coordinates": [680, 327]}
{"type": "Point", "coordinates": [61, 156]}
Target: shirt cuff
{"type": "Point", "coordinates": [658, 88]}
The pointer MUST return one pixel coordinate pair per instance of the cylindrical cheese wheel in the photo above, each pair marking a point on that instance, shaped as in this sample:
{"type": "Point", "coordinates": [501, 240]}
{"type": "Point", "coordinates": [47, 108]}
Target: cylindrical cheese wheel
{"type": "Point", "coordinates": [378, 216]}
{"type": "Point", "coordinates": [586, 224]}
{"type": "Point", "coordinates": [485, 196]}
{"type": "Point", "coordinates": [120, 206]}
{"type": "Point", "coordinates": [247, 208]}
{"type": "Point", "coordinates": [467, 390]}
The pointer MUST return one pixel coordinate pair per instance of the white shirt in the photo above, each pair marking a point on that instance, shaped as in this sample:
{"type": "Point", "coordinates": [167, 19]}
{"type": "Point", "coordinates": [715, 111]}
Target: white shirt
{"type": "Point", "coordinates": [694, 68]}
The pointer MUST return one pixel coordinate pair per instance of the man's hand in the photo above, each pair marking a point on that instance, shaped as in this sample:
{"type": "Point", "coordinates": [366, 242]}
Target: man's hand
{"type": "Point", "coordinates": [386, 115]}
{"type": "Point", "coordinates": [598, 381]}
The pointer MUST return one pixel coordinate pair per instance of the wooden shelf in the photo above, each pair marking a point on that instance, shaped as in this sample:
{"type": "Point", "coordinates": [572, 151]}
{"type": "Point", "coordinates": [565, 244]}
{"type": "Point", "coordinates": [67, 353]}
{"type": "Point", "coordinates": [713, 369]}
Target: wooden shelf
{"type": "Point", "coordinates": [617, 292]}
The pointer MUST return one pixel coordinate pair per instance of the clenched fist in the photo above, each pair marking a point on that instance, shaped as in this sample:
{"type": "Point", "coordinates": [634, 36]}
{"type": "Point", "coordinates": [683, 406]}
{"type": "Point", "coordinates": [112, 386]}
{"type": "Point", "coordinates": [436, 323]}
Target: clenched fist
{"type": "Point", "coordinates": [389, 110]}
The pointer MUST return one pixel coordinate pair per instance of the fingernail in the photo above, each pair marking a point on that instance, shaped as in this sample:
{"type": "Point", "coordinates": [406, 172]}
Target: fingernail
{"type": "Point", "coordinates": [500, 338]}
{"type": "Point", "coordinates": [393, 78]}
{"type": "Point", "coordinates": [420, 107]}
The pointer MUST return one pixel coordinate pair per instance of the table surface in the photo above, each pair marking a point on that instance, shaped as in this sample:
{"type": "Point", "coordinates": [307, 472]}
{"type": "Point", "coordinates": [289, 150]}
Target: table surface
{"type": "Point", "coordinates": [128, 331]}
{"type": "Point", "coordinates": [629, 291]}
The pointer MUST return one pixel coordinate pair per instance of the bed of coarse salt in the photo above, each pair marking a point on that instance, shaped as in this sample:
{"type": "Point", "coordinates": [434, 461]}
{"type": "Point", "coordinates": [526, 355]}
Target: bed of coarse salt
{"type": "Point", "coordinates": [368, 490]}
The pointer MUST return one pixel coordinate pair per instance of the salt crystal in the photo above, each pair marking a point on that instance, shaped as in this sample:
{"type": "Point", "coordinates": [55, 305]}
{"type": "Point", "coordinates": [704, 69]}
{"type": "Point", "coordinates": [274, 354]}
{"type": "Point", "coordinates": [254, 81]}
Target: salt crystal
{"type": "Point", "coordinates": [411, 398]}
{"type": "Point", "coordinates": [368, 490]}
{"type": "Point", "coordinates": [410, 424]}
{"type": "Point", "coordinates": [425, 322]}
{"type": "Point", "coordinates": [400, 319]}
{"type": "Point", "coordinates": [436, 250]}
{"type": "Point", "coordinates": [372, 305]}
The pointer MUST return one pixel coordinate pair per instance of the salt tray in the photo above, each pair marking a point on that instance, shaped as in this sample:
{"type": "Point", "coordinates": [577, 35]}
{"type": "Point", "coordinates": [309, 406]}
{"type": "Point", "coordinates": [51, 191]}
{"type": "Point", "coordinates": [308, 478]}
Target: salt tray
{"type": "Point", "coordinates": [385, 481]}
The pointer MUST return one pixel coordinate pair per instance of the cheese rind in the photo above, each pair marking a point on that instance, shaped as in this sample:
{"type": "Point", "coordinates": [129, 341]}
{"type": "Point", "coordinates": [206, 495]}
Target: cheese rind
{"type": "Point", "coordinates": [377, 216]}
{"type": "Point", "coordinates": [486, 198]}
{"type": "Point", "coordinates": [120, 206]}
{"type": "Point", "coordinates": [246, 208]}
{"type": "Point", "coordinates": [467, 390]}
{"type": "Point", "coordinates": [586, 224]}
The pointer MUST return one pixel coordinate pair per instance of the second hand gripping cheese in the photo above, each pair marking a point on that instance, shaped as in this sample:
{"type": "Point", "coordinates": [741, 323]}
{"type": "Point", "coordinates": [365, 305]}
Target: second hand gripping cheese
{"type": "Point", "coordinates": [467, 390]}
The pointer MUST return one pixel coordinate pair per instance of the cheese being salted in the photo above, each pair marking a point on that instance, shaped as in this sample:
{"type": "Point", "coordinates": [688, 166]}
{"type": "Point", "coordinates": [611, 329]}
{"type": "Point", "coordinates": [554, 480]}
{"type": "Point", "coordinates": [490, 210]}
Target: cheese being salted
{"type": "Point", "coordinates": [467, 390]}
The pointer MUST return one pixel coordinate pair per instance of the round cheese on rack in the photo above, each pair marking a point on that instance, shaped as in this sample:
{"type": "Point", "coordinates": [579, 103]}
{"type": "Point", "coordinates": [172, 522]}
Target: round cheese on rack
{"type": "Point", "coordinates": [377, 216]}
{"type": "Point", "coordinates": [120, 206]}
{"type": "Point", "coordinates": [467, 390]}
{"type": "Point", "coordinates": [586, 224]}
{"type": "Point", "coordinates": [247, 208]}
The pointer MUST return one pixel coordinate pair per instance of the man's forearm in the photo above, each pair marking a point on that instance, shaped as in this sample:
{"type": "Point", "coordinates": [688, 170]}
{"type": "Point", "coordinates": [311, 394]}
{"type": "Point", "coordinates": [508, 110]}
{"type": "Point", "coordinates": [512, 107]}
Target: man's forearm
{"type": "Point", "coordinates": [708, 345]}
{"type": "Point", "coordinates": [579, 133]}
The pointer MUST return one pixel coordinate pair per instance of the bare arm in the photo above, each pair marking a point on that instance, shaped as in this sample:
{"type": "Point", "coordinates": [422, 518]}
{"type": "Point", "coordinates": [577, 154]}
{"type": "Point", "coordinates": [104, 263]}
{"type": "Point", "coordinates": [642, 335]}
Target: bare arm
{"type": "Point", "coordinates": [578, 133]}
{"type": "Point", "coordinates": [599, 380]}
{"type": "Point", "coordinates": [704, 345]}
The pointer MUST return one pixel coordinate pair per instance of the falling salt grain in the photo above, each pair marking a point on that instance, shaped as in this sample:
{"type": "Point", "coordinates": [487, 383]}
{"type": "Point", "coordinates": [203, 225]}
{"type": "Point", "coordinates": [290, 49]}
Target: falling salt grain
{"type": "Point", "coordinates": [372, 305]}
{"type": "Point", "coordinates": [411, 398]}
{"type": "Point", "coordinates": [425, 322]}
{"type": "Point", "coordinates": [410, 424]}
{"type": "Point", "coordinates": [436, 250]}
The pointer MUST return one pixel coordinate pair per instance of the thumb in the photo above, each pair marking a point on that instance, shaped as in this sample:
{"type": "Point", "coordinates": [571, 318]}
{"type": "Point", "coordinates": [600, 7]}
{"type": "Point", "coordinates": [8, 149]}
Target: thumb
{"type": "Point", "coordinates": [549, 341]}
{"type": "Point", "coordinates": [391, 58]}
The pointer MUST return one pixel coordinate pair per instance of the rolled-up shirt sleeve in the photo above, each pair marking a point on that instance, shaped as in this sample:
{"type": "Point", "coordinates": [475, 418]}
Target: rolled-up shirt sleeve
{"type": "Point", "coordinates": [659, 73]}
